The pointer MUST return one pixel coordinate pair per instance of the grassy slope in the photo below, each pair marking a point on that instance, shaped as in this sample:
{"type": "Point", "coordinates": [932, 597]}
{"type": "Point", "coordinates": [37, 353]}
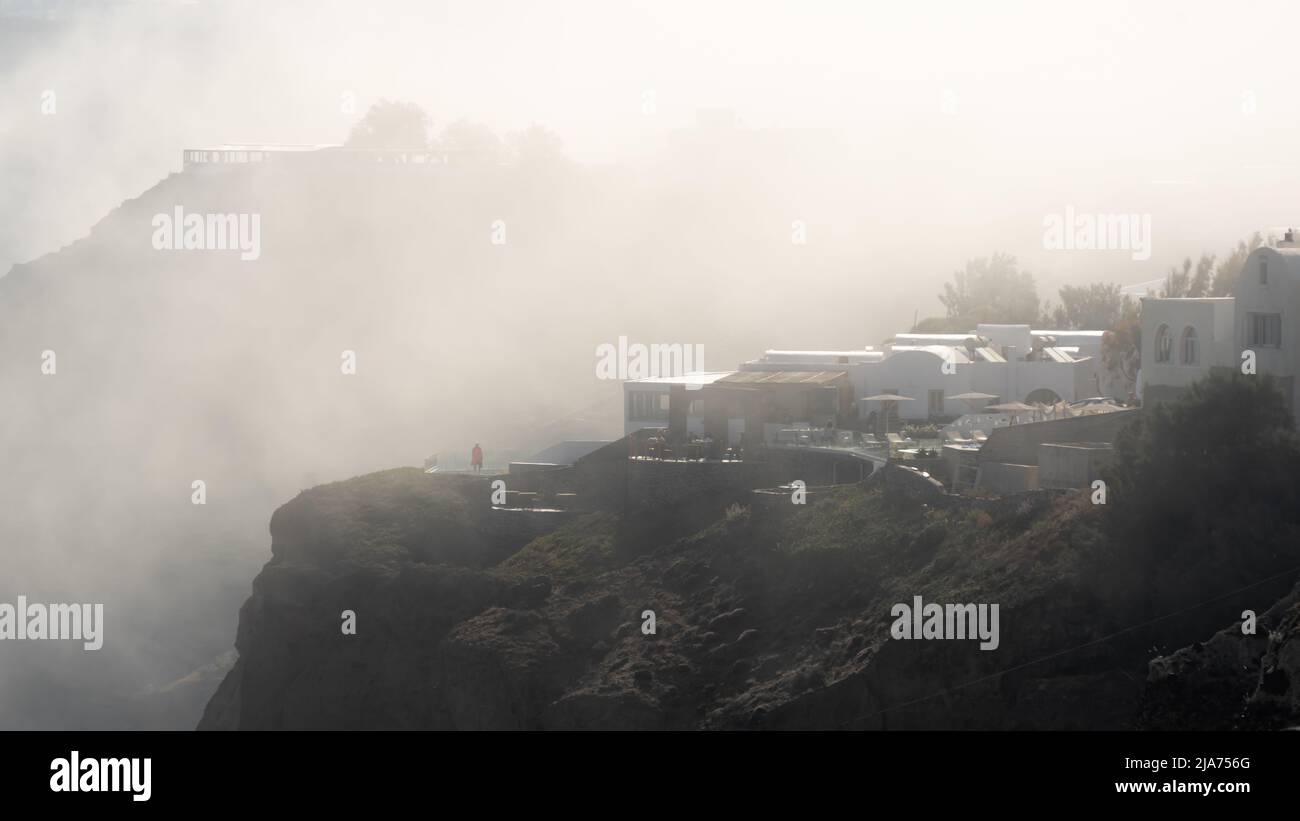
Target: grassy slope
{"type": "Point", "coordinates": [580, 550]}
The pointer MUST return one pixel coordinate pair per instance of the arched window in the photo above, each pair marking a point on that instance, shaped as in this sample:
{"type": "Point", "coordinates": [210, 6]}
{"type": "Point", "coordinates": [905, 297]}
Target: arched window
{"type": "Point", "coordinates": [1164, 344]}
{"type": "Point", "coordinates": [1189, 345]}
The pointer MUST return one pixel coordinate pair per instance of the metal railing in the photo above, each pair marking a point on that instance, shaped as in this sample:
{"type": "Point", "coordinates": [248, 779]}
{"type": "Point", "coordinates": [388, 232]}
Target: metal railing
{"type": "Point", "coordinates": [829, 438]}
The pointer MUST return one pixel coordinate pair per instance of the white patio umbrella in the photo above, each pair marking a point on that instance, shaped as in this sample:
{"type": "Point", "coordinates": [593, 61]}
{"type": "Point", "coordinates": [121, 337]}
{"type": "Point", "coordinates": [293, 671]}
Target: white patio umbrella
{"type": "Point", "coordinates": [882, 398]}
{"type": "Point", "coordinates": [972, 397]}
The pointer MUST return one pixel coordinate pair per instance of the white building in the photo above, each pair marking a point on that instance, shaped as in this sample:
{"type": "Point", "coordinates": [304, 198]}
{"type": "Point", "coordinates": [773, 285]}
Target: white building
{"type": "Point", "coordinates": [1268, 313]}
{"type": "Point", "coordinates": [1184, 339]}
{"type": "Point", "coordinates": [646, 402]}
{"type": "Point", "coordinates": [1010, 362]}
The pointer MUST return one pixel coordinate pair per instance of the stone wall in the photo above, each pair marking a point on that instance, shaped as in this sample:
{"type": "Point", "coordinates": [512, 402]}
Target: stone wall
{"type": "Point", "coordinates": [1072, 465]}
{"type": "Point", "coordinates": [1005, 478]}
{"type": "Point", "coordinates": [1018, 444]}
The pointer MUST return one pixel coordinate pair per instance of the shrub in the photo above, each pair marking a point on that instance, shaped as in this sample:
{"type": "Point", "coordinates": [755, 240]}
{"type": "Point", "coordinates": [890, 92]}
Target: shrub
{"type": "Point", "coordinates": [1205, 490]}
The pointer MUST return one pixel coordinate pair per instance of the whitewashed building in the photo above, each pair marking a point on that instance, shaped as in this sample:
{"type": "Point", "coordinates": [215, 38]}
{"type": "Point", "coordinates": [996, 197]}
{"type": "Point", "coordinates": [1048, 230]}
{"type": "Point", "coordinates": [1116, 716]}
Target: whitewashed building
{"type": "Point", "coordinates": [1010, 362]}
{"type": "Point", "coordinates": [1187, 337]}
{"type": "Point", "coordinates": [1184, 339]}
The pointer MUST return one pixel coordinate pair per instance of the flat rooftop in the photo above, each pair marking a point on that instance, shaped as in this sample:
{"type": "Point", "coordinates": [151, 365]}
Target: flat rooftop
{"type": "Point", "coordinates": [689, 379]}
{"type": "Point", "coordinates": [860, 352]}
{"type": "Point", "coordinates": [782, 378]}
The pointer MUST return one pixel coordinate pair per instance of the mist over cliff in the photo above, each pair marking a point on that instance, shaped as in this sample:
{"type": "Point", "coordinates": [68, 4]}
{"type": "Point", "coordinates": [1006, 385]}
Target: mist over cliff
{"type": "Point", "coordinates": [132, 372]}
{"type": "Point", "coordinates": [692, 147]}
{"type": "Point", "coordinates": [177, 366]}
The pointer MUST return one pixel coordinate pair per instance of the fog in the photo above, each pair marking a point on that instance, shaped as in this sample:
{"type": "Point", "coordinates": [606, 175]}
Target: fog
{"type": "Point", "coordinates": [905, 140]}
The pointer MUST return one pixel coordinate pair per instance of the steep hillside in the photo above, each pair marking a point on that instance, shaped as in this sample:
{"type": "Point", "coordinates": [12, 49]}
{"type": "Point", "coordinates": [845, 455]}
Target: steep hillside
{"type": "Point", "coordinates": [773, 623]}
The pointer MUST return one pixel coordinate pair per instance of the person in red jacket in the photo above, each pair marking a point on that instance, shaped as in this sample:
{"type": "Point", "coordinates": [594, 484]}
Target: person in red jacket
{"type": "Point", "coordinates": [476, 458]}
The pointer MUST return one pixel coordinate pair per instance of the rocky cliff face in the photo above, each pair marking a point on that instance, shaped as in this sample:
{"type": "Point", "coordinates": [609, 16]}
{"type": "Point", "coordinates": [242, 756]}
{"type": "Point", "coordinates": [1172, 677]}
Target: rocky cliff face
{"type": "Point", "coordinates": [779, 623]}
{"type": "Point", "coordinates": [1233, 680]}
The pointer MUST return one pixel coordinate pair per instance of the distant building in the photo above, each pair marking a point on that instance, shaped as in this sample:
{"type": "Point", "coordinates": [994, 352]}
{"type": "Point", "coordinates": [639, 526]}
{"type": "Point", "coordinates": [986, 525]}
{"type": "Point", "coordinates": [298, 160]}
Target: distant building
{"type": "Point", "coordinates": [1010, 362]}
{"type": "Point", "coordinates": [649, 403]}
{"type": "Point", "coordinates": [318, 156]}
{"type": "Point", "coordinates": [1183, 340]}
{"type": "Point", "coordinates": [785, 388]}
{"type": "Point", "coordinates": [733, 409]}
{"type": "Point", "coordinates": [245, 154]}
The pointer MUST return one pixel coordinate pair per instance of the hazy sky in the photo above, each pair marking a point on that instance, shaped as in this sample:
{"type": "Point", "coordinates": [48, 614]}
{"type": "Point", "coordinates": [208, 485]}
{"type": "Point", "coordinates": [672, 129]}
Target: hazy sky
{"type": "Point", "coordinates": [956, 126]}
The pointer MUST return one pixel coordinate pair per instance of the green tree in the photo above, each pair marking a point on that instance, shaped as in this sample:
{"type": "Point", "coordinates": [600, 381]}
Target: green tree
{"type": "Point", "coordinates": [940, 325]}
{"type": "Point", "coordinates": [1121, 344]}
{"type": "Point", "coordinates": [1187, 283]}
{"type": "Point", "coordinates": [469, 138]}
{"type": "Point", "coordinates": [1092, 307]}
{"type": "Point", "coordinates": [991, 289]}
{"type": "Point", "coordinates": [391, 125]}
{"type": "Point", "coordinates": [1209, 278]}
{"type": "Point", "coordinates": [1228, 271]}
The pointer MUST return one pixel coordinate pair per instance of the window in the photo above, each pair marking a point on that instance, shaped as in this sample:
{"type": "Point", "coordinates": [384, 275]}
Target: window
{"type": "Point", "coordinates": [1164, 344]}
{"type": "Point", "coordinates": [936, 403]}
{"type": "Point", "coordinates": [647, 405]}
{"type": "Point", "coordinates": [696, 408]}
{"type": "Point", "coordinates": [1189, 345]}
{"type": "Point", "coordinates": [1263, 272]}
{"type": "Point", "coordinates": [1265, 330]}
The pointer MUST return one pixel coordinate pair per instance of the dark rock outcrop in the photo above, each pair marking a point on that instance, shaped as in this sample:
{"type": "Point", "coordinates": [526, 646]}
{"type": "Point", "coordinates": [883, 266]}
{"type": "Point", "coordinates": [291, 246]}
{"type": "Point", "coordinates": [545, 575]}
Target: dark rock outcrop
{"type": "Point", "coordinates": [743, 625]}
{"type": "Point", "coordinates": [1233, 680]}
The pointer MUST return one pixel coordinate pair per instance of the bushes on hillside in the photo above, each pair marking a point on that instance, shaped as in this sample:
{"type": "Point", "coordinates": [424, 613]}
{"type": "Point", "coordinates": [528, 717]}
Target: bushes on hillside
{"type": "Point", "coordinates": [1205, 491]}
